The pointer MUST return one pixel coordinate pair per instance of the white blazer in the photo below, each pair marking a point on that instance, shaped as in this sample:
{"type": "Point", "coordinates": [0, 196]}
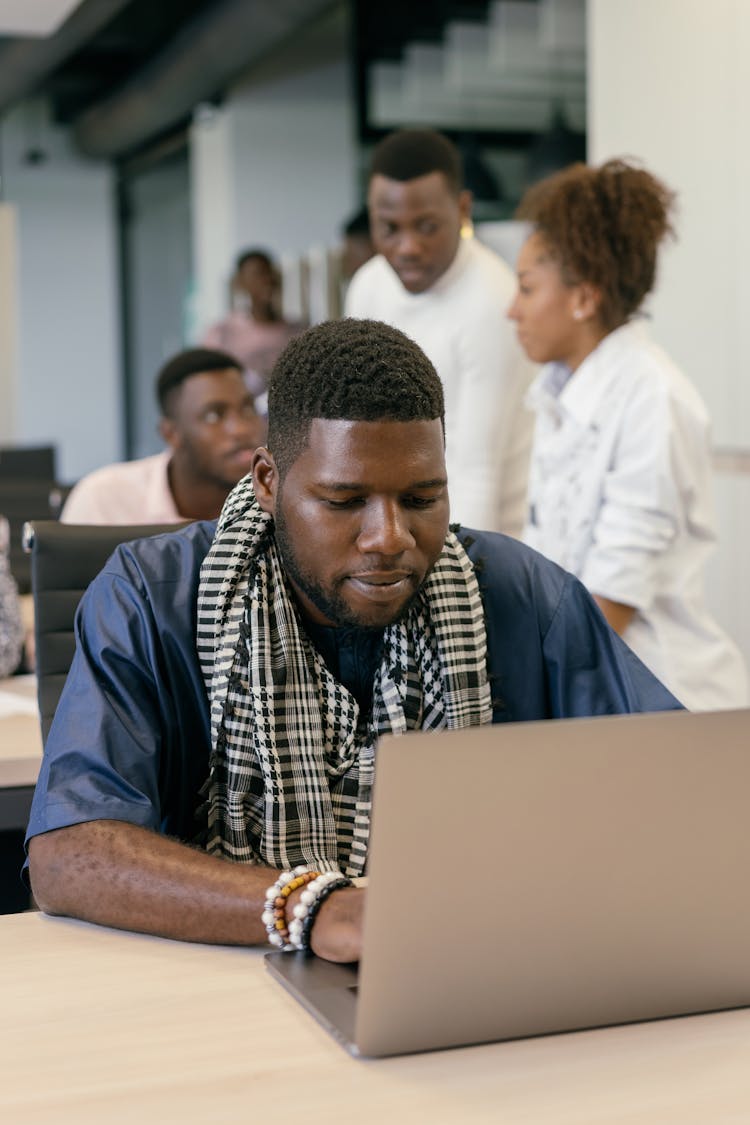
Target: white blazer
{"type": "Point", "coordinates": [620, 495]}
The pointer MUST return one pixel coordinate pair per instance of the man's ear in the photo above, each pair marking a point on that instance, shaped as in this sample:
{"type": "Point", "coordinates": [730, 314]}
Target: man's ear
{"type": "Point", "coordinates": [265, 479]}
{"type": "Point", "coordinates": [169, 432]}
{"type": "Point", "coordinates": [465, 200]}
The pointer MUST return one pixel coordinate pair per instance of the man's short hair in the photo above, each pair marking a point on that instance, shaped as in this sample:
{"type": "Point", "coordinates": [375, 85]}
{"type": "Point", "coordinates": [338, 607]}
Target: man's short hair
{"type": "Point", "coordinates": [410, 153]}
{"type": "Point", "coordinates": [358, 370]}
{"type": "Point", "coordinates": [253, 253]}
{"type": "Point", "coordinates": [193, 361]}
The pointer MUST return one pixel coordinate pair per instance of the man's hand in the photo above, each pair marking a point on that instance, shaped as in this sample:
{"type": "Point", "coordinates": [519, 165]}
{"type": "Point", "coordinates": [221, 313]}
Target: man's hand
{"type": "Point", "coordinates": [337, 930]}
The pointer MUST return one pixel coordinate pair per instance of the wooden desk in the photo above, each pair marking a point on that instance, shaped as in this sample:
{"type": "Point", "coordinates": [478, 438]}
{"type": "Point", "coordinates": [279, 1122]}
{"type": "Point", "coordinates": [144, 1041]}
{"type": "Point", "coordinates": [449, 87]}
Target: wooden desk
{"type": "Point", "coordinates": [101, 1026]}
{"type": "Point", "coordinates": [20, 750]}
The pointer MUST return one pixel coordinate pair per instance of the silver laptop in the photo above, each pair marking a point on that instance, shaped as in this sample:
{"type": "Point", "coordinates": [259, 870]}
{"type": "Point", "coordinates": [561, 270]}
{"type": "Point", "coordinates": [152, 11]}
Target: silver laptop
{"type": "Point", "coordinates": [541, 877]}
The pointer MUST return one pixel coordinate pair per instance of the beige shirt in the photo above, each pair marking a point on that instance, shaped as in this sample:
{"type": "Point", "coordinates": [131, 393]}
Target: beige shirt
{"type": "Point", "coordinates": [127, 492]}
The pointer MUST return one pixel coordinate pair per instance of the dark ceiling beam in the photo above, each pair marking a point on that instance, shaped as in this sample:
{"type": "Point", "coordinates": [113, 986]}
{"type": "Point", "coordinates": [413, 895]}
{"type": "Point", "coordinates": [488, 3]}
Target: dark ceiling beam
{"type": "Point", "coordinates": [198, 63]}
{"type": "Point", "coordinates": [26, 62]}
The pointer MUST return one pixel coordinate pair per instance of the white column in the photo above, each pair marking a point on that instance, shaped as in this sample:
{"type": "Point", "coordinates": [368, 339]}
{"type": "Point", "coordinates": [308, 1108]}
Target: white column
{"type": "Point", "coordinates": [213, 183]}
{"type": "Point", "coordinates": [8, 325]}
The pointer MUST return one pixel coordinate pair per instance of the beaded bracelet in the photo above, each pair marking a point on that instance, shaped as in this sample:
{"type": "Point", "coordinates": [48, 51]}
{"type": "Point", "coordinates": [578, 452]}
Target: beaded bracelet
{"type": "Point", "coordinates": [277, 895]}
{"type": "Point", "coordinates": [311, 900]}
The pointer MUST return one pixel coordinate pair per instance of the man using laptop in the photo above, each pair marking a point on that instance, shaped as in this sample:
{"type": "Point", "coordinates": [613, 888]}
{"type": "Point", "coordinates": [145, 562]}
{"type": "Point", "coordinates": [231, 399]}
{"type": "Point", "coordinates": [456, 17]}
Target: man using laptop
{"type": "Point", "coordinates": [208, 774]}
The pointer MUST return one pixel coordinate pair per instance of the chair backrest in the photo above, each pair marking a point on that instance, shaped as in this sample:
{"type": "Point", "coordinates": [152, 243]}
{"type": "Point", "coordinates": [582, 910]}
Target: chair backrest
{"type": "Point", "coordinates": [23, 499]}
{"type": "Point", "coordinates": [24, 462]}
{"type": "Point", "coordinates": [64, 559]}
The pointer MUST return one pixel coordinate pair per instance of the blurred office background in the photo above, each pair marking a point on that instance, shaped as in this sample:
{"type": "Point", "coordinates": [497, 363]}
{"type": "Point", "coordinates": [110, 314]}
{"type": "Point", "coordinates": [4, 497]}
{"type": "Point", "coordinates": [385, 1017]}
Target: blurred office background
{"type": "Point", "coordinates": [143, 144]}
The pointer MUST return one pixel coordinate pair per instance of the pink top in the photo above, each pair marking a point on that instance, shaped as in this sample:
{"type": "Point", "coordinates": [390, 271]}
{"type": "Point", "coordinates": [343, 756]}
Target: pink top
{"type": "Point", "coordinates": [256, 344]}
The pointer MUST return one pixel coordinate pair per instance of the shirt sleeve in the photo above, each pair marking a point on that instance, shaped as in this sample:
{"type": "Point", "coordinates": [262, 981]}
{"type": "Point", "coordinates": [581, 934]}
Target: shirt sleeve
{"type": "Point", "coordinates": [590, 669]}
{"type": "Point", "coordinates": [551, 653]}
{"type": "Point", "coordinates": [130, 739]}
{"type": "Point", "coordinates": [101, 760]}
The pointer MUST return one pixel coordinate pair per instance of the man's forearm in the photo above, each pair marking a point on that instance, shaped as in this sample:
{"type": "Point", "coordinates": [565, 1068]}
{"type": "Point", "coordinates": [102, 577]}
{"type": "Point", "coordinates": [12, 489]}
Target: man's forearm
{"type": "Point", "coordinates": [617, 614]}
{"type": "Point", "coordinates": [120, 875]}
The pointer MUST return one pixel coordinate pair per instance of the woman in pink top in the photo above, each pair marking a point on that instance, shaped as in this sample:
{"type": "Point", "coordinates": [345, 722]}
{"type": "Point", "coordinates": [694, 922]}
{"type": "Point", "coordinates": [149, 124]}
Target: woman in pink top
{"type": "Point", "coordinates": [255, 331]}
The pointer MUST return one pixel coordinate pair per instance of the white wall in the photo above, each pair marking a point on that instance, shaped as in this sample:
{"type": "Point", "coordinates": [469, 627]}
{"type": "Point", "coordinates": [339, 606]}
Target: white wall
{"type": "Point", "coordinates": [276, 166]}
{"type": "Point", "coordinates": [668, 82]}
{"type": "Point", "coordinates": [67, 376]}
{"type": "Point", "coordinates": [294, 157]}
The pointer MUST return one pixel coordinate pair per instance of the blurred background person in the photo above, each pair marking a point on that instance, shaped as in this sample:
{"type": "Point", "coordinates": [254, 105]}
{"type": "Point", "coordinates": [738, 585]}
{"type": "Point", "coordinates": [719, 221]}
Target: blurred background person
{"type": "Point", "coordinates": [11, 624]}
{"type": "Point", "coordinates": [620, 485]}
{"type": "Point", "coordinates": [211, 427]}
{"type": "Point", "coordinates": [255, 330]}
{"type": "Point", "coordinates": [354, 249]}
{"type": "Point", "coordinates": [13, 894]}
{"type": "Point", "coordinates": [446, 290]}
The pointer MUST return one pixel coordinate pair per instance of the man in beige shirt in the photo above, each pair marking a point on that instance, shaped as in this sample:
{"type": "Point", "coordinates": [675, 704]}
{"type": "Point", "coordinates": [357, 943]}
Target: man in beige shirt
{"type": "Point", "coordinates": [211, 428]}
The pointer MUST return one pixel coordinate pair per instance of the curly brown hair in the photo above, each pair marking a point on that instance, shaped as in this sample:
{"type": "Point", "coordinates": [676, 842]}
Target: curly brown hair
{"type": "Point", "coordinates": [603, 225]}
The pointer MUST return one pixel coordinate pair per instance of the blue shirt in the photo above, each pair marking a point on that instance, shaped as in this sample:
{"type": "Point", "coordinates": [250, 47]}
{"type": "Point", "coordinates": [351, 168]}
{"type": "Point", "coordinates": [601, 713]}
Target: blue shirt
{"type": "Point", "coordinates": [131, 735]}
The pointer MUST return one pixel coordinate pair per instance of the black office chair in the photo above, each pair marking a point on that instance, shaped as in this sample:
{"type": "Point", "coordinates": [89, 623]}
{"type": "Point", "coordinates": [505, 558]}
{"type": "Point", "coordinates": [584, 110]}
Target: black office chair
{"type": "Point", "coordinates": [26, 462]}
{"type": "Point", "coordinates": [23, 499]}
{"type": "Point", "coordinates": [64, 559]}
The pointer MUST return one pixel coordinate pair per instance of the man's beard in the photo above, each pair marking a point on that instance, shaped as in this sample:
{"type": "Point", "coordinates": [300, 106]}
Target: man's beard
{"type": "Point", "coordinates": [328, 601]}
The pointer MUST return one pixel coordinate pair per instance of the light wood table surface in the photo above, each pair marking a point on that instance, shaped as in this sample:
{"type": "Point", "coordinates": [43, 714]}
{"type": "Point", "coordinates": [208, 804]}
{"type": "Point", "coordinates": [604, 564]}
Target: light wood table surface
{"type": "Point", "coordinates": [20, 749]}
{"type": "Point", "coordinates": [20, 732]}
{"type": "Point", "coordinates": [108, 1027]}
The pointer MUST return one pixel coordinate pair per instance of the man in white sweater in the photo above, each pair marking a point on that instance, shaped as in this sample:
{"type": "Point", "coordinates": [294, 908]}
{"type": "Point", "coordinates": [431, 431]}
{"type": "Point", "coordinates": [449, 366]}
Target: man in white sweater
{"type": "Point", "coordinates": [435, 282]}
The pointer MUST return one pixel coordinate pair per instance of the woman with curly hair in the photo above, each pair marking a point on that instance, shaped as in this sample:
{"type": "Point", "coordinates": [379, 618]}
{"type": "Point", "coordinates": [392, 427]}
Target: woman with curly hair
{"type": "Point", "coordinates": [620, 484]}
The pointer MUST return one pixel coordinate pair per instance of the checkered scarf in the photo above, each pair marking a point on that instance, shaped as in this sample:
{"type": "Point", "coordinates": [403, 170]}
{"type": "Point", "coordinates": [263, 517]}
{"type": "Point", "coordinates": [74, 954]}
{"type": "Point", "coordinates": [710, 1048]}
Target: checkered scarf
{"type": "Point", "coordinates": [292, 761]}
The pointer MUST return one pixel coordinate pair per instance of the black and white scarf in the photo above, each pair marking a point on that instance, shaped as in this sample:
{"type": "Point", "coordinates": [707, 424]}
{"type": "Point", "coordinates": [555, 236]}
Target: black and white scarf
{"type": "Point", "coordinates": [292, 761]}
